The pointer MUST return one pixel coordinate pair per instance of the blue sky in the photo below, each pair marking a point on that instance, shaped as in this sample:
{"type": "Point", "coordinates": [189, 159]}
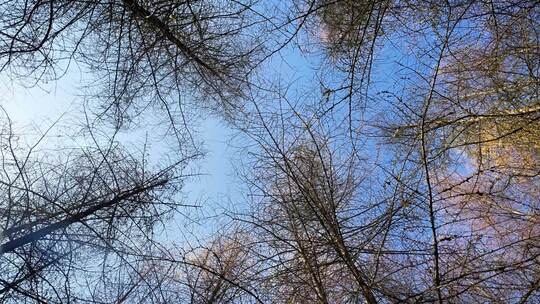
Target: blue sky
{"type": "Point", "coordinates": [33, 110]}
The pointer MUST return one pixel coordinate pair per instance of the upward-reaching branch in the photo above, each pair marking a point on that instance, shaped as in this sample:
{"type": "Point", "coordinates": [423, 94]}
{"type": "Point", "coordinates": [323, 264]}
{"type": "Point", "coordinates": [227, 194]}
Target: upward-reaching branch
{"type": "Point", "coordinates": [35, 236]}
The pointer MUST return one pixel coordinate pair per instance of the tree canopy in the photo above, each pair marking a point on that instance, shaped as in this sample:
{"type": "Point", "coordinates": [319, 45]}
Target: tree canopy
{"type": "Point", "coordinates": [389, 152]}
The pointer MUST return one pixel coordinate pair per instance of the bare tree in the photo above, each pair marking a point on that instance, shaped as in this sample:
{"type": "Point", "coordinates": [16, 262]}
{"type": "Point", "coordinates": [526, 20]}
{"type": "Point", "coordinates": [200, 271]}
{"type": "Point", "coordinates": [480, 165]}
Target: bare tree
{"type": "Point", "coordinates": [78, 225]}
{"type": "Point", "coordinates": [411, 177]}
{"type": "Point", "coordinates": [139, 54]}
{"type": "Point", "coordinates": [448, 211]}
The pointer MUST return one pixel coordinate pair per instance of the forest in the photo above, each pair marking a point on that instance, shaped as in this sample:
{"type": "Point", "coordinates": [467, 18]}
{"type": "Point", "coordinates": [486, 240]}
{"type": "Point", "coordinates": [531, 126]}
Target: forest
{"type": "Point", "coordinates": [385, 151]}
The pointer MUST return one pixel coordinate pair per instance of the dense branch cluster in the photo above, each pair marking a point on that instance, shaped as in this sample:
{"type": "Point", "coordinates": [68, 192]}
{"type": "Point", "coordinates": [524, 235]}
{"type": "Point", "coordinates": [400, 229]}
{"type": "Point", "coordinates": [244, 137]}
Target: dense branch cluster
{"type": "Point", "coordinates": [401, 166]}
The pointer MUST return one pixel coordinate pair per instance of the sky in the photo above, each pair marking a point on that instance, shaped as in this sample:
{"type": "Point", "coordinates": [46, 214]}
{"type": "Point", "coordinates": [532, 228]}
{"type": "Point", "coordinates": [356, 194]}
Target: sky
{"type": "Point", "coordinates": [33, 110]}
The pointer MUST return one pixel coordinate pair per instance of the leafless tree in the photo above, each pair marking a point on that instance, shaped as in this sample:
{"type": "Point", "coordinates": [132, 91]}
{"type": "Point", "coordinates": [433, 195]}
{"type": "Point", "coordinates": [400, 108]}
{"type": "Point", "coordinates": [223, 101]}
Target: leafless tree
{"type": "Point", "coordinates": [78, 224]}
{"type": "Point", "coordinates": [139, 54]}
{"type": "Point", "coordinates": [407, 171]}
{"type": "Point", "coordinates": [426, 192]}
